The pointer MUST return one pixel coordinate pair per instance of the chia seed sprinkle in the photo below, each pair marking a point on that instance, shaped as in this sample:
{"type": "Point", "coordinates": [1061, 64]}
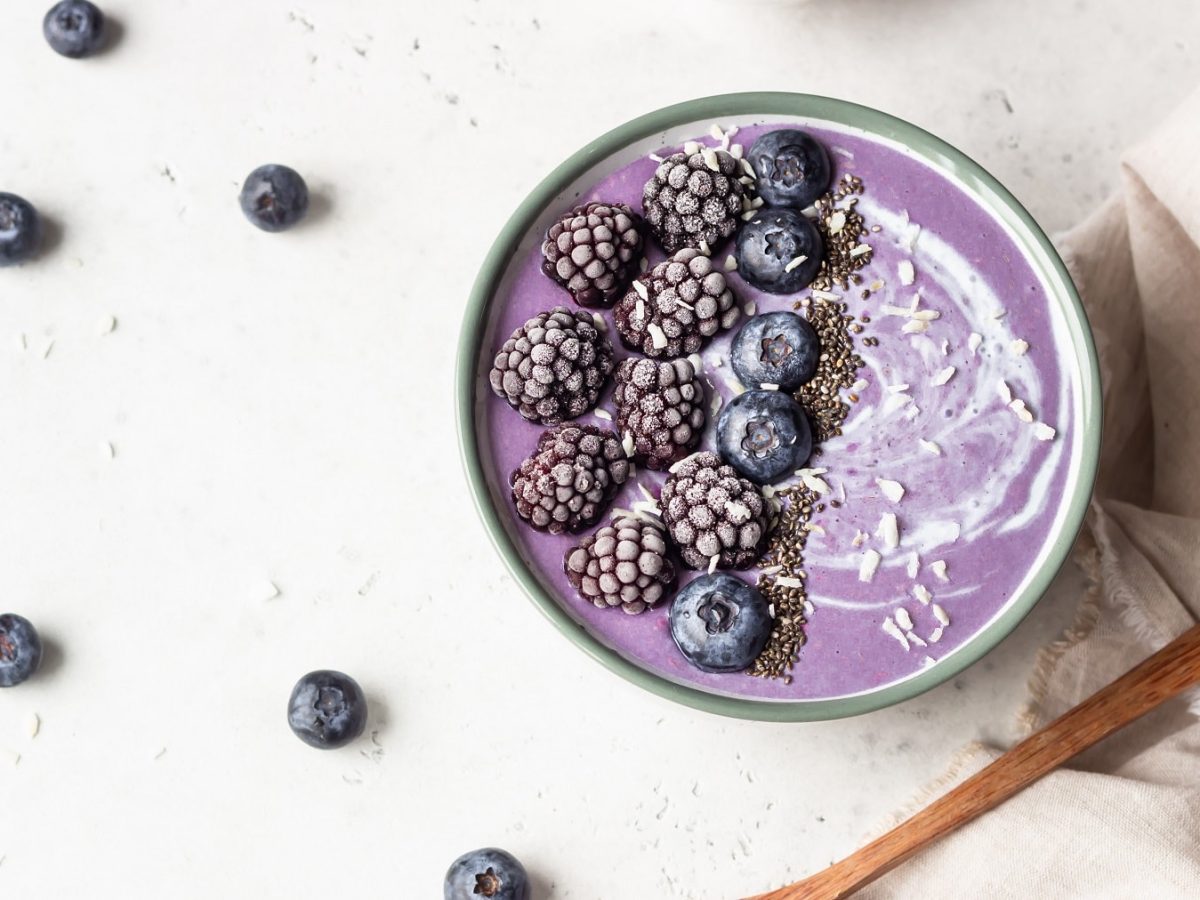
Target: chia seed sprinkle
{"type": "Point", "coordinates": [781, 581]}
{"type": "Point", "coordinates": [841, 226]}
{"type": "Point", "coordinates": [837, 367]}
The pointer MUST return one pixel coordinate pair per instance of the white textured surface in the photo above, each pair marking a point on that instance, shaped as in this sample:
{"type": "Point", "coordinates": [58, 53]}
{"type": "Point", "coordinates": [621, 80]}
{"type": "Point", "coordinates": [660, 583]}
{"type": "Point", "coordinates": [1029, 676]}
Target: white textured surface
{"type": "Point", "coordinates": [280, 410]}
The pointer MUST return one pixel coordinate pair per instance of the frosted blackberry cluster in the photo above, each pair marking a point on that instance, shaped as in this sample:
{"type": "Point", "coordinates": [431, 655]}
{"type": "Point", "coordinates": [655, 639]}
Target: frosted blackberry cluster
{"type": "Point", "coordinates": [593, 251]}
{"type": "Point", "coordinates": [710, 511]}
{"type": "Point", "coordinates": [553, 367]}
{"type": "Point", "coordinates": [676, 307]}
{"type": "Point", "coordinates": [660, 405]}
{"type": "Point", "coordinates": [693, 199]}
{"type": "Point", "coordinates": [569, 480]}
{"type": "Point", "coordinates": [624, 564]}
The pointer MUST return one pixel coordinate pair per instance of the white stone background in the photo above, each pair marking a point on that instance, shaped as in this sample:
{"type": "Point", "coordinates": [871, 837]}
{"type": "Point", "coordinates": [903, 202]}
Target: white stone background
{"type": "Point", "coordinates": [281, 410]}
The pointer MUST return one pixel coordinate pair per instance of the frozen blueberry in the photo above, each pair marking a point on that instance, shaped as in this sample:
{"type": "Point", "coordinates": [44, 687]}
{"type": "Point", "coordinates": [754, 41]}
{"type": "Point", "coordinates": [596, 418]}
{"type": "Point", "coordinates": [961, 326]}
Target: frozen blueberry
{"type": "Point", "coordinates": [791, 167]}
{"type": "Point", "coordinates": [274, 198]}
{"type": "Point", "coordinates": [779, 251]}
{"type": "Point", "coordinates": [20, 230]}
{"type": "Point", "coordinates": [720, 623]}
{"type": "Point", "coordinates": [764, 435]}
{"type": "Point", "coordinates": [489, 872]}
{"type": "Point", "coordinates": [327, 709]}
{"type": "Point", "coordinates": [74, 28]}
{"type": "Point", "coordinates": [20, 649]}
{"type": "Point", "coordinates": [778, 348]}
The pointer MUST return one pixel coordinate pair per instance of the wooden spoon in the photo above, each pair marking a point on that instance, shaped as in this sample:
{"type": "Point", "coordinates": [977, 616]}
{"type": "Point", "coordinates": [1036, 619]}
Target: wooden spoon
{"type": "Point", "coordinates": [1167, 673]}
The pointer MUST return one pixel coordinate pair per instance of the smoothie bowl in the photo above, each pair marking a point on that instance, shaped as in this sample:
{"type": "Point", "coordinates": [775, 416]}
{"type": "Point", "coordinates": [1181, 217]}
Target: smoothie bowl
{"type": "Point", "coordinates": [778, 406]}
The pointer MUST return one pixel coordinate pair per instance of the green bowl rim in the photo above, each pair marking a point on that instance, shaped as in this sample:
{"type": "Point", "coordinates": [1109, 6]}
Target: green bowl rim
{"type": "Point", "coordinates": [1050, 266]}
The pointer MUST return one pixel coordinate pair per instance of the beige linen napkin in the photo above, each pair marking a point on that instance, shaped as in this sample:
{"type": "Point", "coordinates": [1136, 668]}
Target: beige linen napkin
{"type": "Point", "coordinates": [1124, 820]}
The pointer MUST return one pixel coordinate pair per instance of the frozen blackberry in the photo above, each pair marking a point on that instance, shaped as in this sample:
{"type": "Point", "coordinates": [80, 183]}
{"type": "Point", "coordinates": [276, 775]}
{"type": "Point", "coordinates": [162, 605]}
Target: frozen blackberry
{"type": "Point", "coordinates": [694, 198]}
{"type": "Point", "coordinates": [660, 405]}
{"type": "Point", "coordinates": [593, 251]}
{"type": "Point", "coordinates": [676, 307]}
{"type": "Point", "coordinates": [570, 478]}
{"type": "Point", "coordinates": [553, 367]}
{"type": "Point", "coordinates": [710, 510]}
{"type": "Point", "coordinates": [624, 564]}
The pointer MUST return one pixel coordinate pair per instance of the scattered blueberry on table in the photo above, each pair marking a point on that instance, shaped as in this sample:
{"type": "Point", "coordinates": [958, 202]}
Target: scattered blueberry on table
{"type": "Point", "coordinates": [720, 623]}
{"type": "Point", "coordinates": [779, 348]}
{"type": "Point", "coordinates": [765, 435]}
{"type": "Point", "coordinates": [20, 649]}
{"type": "Point", "coordinates": [489, 872]}
{"type": "Point", "coordinates": [74, 28]}
{"type": "Point", "coordinates": [20, 230]}
{"type": "Point", "coordinates": [274, 198]}
{"type": "Point", "coordinates": [779, 251]}
{"type": "Point", "coordinates": [327, 709]}
{"type": "Point", "coordinates": [791, 167]}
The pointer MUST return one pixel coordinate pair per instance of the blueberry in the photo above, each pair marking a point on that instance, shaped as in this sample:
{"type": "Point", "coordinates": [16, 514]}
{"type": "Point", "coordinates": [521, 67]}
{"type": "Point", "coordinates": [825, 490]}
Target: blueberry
{"type": "Point", "coordinates": [20, 230]}
{"type": "Point", "coordinates": [779, 251]}
{"type": "Point", "coordinates": [274, 198]}
{"type": "Point", "coordinates": [489, 872]}
{"type": "Point", "coordinates": [20, 649]}
{"type": "Point", "coordinates": [327, 709]}
{"type": "Point", "coordinates": [791, 167]}
{"type": "Point", "coordinates": [720, 623]}
{"type": "Point", "coordinates": [778, 348]}
{"type": "Point", "coordinates": [764, 435]}
{"type": "Point", "coordinates": [74, 28]}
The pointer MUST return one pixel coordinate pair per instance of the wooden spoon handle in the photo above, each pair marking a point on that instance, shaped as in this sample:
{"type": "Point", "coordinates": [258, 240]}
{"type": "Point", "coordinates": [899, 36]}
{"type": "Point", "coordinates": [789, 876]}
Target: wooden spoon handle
{"type": "Point", "coordinates": [1164, 675]}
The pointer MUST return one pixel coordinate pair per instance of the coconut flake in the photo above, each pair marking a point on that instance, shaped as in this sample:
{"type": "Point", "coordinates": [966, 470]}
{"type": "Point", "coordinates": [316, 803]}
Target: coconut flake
{"type": "Point", "coordinates": [922, 594]}
{"type": "Point", "coordinates": [787, 581]}
{"type": "Point", "coordinates": [705, 249]}
{"type": "Point", "coordinates": [889, 531]}
{"type": "Point", "coordinates": [106, 325]}
{"type": "Point", "coordinates": [914, 566]}
{"type": "Point", "coordinates": [868, 566]}
{"type": "Point", "coordinates": [860, 538]}
{"type": "Point", "coordinates": [716, 132]}
{"type": "Point", "coordinates": [930, 447]}
{"type": "Point", "coordinates": [825, 295]}
{"type": "Point", "coordinates": [690, 147]}
{"type": "Point", "coordinates": [811, 480]}
{"type": "Point", "coordinates": [1018, 347]}
{"type": "Point", "coordinates": [738, 512]}
{"type": "Point", "coordinates": [903, 619]}
{"type": "Point", "coordinates": [1005, 391]}
{"type": "Point", "coordinates": [627, 444]}
{"type": "Point", "coordinates": [837, 222]}
{"type": "Point", "coordinates": [710, 159]}
{"type": "Point", "coordinates": [893, 490]}
{"type": "Point", "coordinates": [33, 725]}
{"type": "Point", "coordinates": [973, 341]}
{"type": "Point", "coordinates": [736, 151]}
{"type": "Point", "coordinates": [945, 347]}
{"type": "Point", "coordinates": [600, 323]}
{"type": "Point", "coordinates": [712, 563]}
{"type": "Point", "coordinates": [697, 363]}
{"type": "Point", "coordinates": [927, 315]}
{"type": "Point", "coordinates": [750, 308]}
{"type": "Point", "coordinates": [889, 309]}
{"type": "Point", "coordinates": [890, 628]}
{"type": "Point", "coordinates": [1043, 432]}
{"type": "Point", "coordinates": [915, 639]}
{"type": "Point", "coordinates": [603, 414]}
{"type": "Point", "coordinates": [907, 273]}
{"type": "Point", "coordinates": [941, 615]}
{"type": "Point", "coordinates": [938, 568]}
{"type": "Point", "coordinates": [935, 635]}
{"type": "Point", "coordinates": [1022, 411]}
{"type": "Point", "coordinates": [658, 337]}
{"type": "Point", "coordinates": [859, 250]}
{"type": "Point", "coordinates": [861, 385]}
{"type": "Point", "coordinates": [943, 376]}
{"type": "Point", "coordinates": [915, 326]}
{"type": "Point", "coordinates": [795, 263]}
{"type": "Point", "coordinates": [656, 158]}
{"type": "Point", "coordinates": [730, 263]}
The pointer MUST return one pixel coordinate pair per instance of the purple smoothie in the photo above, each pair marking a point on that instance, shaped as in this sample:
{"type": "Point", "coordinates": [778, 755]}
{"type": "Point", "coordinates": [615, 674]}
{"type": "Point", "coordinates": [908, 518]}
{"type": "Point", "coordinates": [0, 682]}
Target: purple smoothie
{"type": "Point", "coordinates": [986, 504]}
